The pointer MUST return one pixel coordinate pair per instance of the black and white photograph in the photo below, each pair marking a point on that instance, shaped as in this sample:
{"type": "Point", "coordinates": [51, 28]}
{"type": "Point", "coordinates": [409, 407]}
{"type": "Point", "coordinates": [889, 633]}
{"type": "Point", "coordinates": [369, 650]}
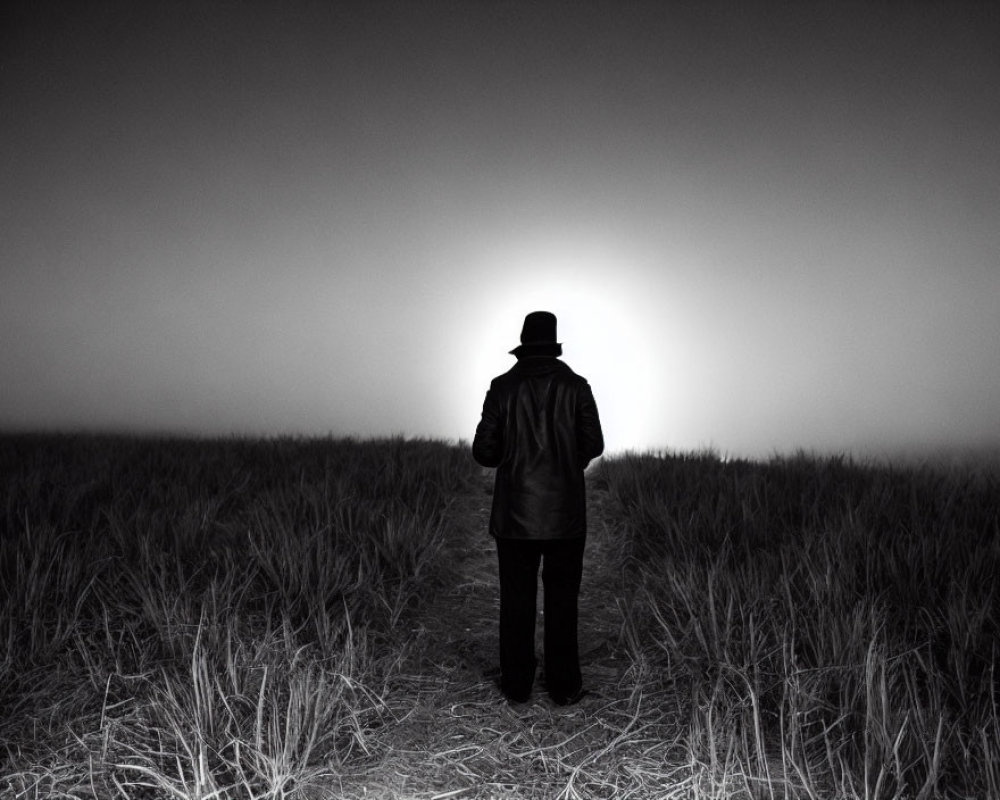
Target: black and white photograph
{"type": "Point", "coordinates": [486, 399]}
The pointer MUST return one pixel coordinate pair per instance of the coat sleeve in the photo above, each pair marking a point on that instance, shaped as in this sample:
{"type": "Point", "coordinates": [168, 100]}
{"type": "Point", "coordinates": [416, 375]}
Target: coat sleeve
{"type": "Point", "coordinates": [589, 436]}
{"type": "Point", "coordinates": [487, 446]}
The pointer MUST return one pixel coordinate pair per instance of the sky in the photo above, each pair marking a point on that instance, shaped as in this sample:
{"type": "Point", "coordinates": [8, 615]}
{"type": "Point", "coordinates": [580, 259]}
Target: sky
{"type": "Point", "coordinates": [763, 227]}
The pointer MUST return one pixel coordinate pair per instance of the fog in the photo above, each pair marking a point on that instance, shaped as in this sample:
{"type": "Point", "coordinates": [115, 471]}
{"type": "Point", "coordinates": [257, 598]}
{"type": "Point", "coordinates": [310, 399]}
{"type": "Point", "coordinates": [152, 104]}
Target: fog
{"type": "Point", "coordinates": [760, 232]}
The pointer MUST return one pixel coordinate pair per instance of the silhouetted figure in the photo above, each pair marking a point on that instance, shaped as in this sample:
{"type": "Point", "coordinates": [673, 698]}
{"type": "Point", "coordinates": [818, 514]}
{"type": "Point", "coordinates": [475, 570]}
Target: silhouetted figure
{"type": "Point", "coordinates": [540, 429]}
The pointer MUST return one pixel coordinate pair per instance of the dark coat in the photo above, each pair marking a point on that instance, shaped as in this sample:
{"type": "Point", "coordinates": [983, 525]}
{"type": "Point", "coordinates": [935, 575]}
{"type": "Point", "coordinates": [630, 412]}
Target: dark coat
{"type": "Point", "coordinates": [540, 429]}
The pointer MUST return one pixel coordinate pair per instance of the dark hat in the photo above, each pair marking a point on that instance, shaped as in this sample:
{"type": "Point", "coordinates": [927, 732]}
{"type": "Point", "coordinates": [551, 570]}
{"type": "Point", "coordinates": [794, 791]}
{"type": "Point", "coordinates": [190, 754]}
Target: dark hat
{"type": "Point", "coordinates": [538, 336]}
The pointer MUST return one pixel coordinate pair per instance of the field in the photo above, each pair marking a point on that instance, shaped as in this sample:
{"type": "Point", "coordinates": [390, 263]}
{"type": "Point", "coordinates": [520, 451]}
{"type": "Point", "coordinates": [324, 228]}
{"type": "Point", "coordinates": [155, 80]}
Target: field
{"type": "Point", "coordinates": [316, 618]}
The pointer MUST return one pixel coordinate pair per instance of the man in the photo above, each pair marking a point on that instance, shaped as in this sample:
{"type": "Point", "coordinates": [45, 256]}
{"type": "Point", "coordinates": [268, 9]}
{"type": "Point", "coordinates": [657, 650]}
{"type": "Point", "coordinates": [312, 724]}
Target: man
{"type": "Point", "coordinates": [539, 429]}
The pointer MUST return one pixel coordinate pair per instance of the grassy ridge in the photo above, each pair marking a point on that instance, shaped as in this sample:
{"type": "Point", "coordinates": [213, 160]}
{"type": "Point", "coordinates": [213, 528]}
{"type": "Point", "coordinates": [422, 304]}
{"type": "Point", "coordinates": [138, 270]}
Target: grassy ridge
{"type": "Point", "coordinates": [824, 626]}
{"type": "Point", "coordinates": [207, 618]}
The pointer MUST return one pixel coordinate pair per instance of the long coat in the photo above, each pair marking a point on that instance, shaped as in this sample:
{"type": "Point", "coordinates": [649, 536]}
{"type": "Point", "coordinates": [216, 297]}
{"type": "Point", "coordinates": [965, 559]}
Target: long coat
{"type": "Point", "coordinates": [540, 429]}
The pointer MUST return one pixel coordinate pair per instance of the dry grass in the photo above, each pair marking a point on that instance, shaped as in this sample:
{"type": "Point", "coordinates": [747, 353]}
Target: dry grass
{"type": "Point", "coordinates": [209, 619]}
{"type": "Point", "coordinates": [316, 619]}
{"type": "Point", "coordinates": [830, 629]}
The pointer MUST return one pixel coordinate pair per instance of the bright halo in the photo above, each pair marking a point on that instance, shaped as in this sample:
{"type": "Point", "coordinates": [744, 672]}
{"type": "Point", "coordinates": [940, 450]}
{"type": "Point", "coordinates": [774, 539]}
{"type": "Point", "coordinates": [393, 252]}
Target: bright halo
{"type": "Point", "coordinates": [600, 323]}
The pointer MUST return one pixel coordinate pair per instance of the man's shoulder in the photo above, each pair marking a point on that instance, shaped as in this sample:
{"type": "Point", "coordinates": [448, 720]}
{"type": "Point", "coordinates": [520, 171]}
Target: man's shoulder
{"type": "Point", "coordinates": [527, 368]}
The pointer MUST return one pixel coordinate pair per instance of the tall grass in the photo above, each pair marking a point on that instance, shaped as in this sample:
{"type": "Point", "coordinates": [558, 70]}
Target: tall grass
{"type": "Point", "coordinates": [826, 628]}
{"type": "Point", "coordinates": [205, 619]}
{"type": "Point", "coordinates": [230, 619]}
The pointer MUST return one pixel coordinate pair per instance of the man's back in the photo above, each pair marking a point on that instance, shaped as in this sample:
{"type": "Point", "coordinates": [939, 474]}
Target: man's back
{"type": "Point", "coordinates": [540, 429]}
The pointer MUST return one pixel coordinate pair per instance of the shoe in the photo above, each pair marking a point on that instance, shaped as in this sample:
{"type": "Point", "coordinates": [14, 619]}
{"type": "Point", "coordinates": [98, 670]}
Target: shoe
{"type": "Point", "coordinates": [573, 699]}
{"type": "Point", "coordinates": [515, 699]}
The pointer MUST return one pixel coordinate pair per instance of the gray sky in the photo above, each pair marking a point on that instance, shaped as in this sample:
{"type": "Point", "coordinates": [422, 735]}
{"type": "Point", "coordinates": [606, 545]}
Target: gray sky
{"type": "Point", "coordinates": [762, 226]}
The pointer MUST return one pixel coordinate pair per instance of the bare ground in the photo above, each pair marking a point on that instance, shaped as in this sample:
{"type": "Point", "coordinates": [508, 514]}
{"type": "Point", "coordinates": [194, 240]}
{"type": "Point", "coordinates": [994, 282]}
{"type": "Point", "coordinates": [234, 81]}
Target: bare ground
{"type": "Point", "coordinates": [455, 736]}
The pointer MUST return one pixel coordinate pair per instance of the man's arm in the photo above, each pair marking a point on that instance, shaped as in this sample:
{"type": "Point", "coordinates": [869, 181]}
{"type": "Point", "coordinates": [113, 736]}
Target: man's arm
{"type": "Point", "coordinates": [589, 436]}
{"type": "Point", "coordinates": [487, 447]}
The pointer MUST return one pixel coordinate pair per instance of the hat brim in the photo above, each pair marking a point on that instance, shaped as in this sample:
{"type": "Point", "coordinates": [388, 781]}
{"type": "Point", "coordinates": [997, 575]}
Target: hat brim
{"type": "Point", "coordinates": [537, 349]}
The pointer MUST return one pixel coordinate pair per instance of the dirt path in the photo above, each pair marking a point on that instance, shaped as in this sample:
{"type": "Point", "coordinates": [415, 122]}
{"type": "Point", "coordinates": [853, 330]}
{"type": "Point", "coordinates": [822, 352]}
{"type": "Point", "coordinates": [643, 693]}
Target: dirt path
{"type": "Point", "coordinates": [457, 737]}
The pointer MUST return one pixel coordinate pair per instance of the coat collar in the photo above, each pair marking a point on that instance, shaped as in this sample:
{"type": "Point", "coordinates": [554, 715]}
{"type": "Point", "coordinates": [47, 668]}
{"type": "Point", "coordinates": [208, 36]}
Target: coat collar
{"type": "Point", "coordinates": [538, 365]}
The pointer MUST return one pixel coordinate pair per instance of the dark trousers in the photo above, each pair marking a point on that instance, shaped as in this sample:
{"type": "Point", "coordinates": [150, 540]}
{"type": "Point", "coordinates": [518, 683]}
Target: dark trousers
{"type": "Point", "coordinates": [562, 566]}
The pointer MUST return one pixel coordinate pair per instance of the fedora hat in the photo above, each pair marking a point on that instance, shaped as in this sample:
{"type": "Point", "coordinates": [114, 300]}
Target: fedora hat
{"type": "Point", "coordinates": [538, 336]}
